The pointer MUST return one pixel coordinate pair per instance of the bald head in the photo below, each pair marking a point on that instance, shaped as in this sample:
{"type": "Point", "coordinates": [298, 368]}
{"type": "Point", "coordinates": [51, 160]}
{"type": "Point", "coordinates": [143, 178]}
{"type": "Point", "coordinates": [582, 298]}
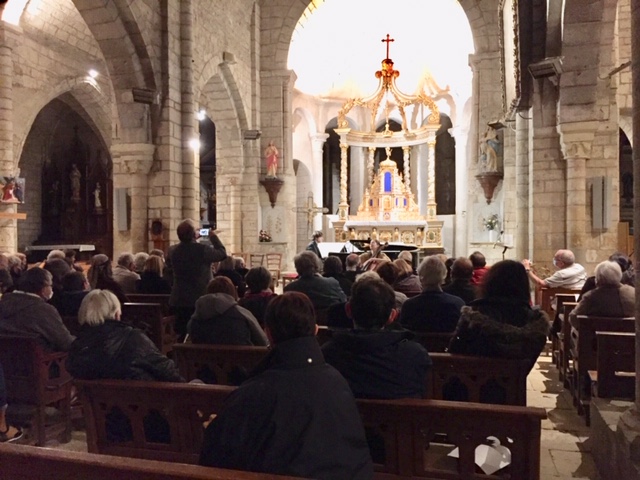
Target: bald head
{"type": "Point", "coordinates": [564, 258]}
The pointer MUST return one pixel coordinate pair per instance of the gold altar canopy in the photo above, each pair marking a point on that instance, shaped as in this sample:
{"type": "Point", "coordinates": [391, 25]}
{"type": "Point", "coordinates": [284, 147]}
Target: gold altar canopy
{"type": "Point", "coordinates": [388, 210]}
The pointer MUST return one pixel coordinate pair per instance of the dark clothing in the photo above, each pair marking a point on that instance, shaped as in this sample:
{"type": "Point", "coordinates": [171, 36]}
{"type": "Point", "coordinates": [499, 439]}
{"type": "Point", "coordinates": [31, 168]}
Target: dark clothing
{"type": "Point", "coordinates": [590, 283]}
{"type": "Point", "coordinates": [68, 303]}
{"type": "Point", "coordinates": [257, 303]}
{"type": "Point", "coordinates": [104, 283]}
{"type": "Point", "coordinates": [313, 247]}
{"type": "Point", "coordinates": [337, 317]}
{"type": "Point", "coordinates": [3, 389]}
{"type": "Point", "coordinates": [484, 330]}
{"type": "Point", "coordinates": [431, 311]}
{"type": "Point", "coordinates": [116, 350]}
{"type": "Point", "coordinates": [152, 284]}
{"type": "Point", "coordinates": [191, 265]}
{"type": "Point", "coordinates": [345, 283]}
{"type": "Point", "coordinates": [28, 314]}
{"type": "Point", "coordinates": [408, 284]}
{"type": "Point", "coordinates": [323, 292]}
{"type": "Point", "coordinates": [385, 364]}
{"type": "Point", "coordinates": [296, 416]}
{"type": "Point", "coordinates": [350, 275]}
{"type": "Point", "coordinates": [462, 288]}
{"type": "Point", "coordinates": [236, 279]}
{"type": "Point", "coordinates": [218, 319]}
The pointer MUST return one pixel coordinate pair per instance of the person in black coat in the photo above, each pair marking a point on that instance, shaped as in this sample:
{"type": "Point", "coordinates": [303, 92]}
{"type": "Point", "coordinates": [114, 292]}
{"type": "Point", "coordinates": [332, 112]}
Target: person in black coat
{"type": "Point", "coordinates": [227, 268]}
{"type": "Point", "coordinates": [432, 310]}
{"type": "Point", "coordinates": [297, 415]}
{"type": "Point", "coordinates": [151, 281]}
{"type": "Point", "coordinates": [315, 240]}
{"type": "Point", "coordinates": [75, 287]}
{"type": "Point", "coordinates": [333, 269]}
{"type": "Point", "coordinates": [190, 262]}
{"type": "Point", "coordinates": [259, 292]}
{"type": "Point", "coordinates": [460, 285]}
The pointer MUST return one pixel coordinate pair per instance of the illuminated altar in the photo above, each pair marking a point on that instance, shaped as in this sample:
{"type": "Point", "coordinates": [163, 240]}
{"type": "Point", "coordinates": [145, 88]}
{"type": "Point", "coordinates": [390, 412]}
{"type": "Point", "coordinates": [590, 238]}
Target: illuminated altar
{"type": "Point", "coordinates": [388, 211]}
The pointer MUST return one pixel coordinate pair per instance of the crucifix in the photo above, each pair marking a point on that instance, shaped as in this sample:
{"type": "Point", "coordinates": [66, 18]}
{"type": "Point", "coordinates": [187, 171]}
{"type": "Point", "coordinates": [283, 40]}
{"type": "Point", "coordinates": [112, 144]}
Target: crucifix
{"type": "Point", "coordinates": [388, 40]}
{"type": "Point", "coordinates": [311, 209]}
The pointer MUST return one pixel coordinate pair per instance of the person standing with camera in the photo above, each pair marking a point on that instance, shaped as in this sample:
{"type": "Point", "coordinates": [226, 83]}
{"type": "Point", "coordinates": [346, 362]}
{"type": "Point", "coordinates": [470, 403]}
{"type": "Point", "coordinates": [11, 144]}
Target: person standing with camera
{"type": "Point", "coordinates": [190, 262]}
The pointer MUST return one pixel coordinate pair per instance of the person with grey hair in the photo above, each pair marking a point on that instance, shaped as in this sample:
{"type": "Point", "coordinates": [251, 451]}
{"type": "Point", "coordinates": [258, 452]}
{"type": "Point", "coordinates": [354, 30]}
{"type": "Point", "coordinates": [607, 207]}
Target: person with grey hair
{"type": "Point", "coordinates": [323, 292]}
{"type": "Point", "coordinates": [25, 311]}
{"type": "Point", "coordinates": [14, 266]}
{"type": "Point", "coordinates": [139, 260]}
{"type": "Point", "coordinates": [569, 274]}
{"type": "Point", "coordinates": [108, 348]}
{"type": "Point", "coordinates": [610, 298]}
{"type": "Point", "coordinates": [124, 274]}
{"type": "Point", "coordinates": [55, 254]}
{"type": "Point", "coordinates": [433, 310]}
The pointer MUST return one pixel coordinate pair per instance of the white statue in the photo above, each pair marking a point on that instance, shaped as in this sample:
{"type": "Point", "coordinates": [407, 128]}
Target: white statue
{"type": "Point", "coordinates": [96, 196]}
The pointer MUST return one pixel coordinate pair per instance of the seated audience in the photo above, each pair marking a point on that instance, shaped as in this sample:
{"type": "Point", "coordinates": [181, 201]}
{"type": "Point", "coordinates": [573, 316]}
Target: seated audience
{"type": "Point", "coordinates": [448, 263]}
{"type": "Point", "coordinates": [323, 292]}
{"type": "Point", "coordinates": [259, 292]}
{"type": "Point", "coordinates": [139, 260]}
{"type": "Point", "coordinates": [351, 266]}
{"type": "Point", "coordinates": [6, 281]}
{"type": "Point", "coordinates": [297, 415]}
{"type": "Point", "coordinates": [57, 265]}
{"type": "Point", "coordinates": [8, 433]}
{"type": "Point", "coordinates": [100, 276]}
{"type": "Point", "coordinates": [407, 282]}
{"type": "Point", "coordinates": [628, 273]}
{"type": "Point", "coordinates": [501, 323]}
{"type": "Point", "coordinates": [108, 348]}
{"type": "Point", "coordinates": [158, 253]}
{"type": "Point", "coordinates": [432, 310]}
{"type": "Point", "coordinates": [240, 267]}
{"type": "Point", "coordinates": [377, 363]}
{"type": "Point", "coordinates": [227, 268]}
{"type": "Point", "coordinates": [333, 269]}
{"type": "Point", "coordinates": [569, 274]}
{"type": "Point", "coordinates": [14, 266]}
{"type": "Point", "coordinates": [218, 319]}
{"type": "Point", "coordinates": [460, 285]}
{"type": "Point", "coordinates": [407, 256]}
{"type": "Point", "coordinates": [25, 311]}
{"type": "Point", "coordinates": [480, 268]}
{"type": "Point", "coordinates": [124, 273]}
{"type": "Point", "coordinates": [75, 287]}
{"type": "Point", "coordinates": [151, 281]}
{"type": "Point", "coordinates": [70, 258]}
{"type": "Point", "coordinates": [610, 298]}
{"type": "Point", "coordinates": [389, 273]}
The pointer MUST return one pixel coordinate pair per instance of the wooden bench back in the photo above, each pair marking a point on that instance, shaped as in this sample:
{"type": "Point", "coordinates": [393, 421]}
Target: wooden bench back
{"type": "Point", "coordinates": [616, 359]}
{"type": "Point", "coordinates": [418, 435]}
{"type": "Point", "coordinates": [36, 377]}
{"type": "Point", "coordinates": [171, 412]}
{"type": "Point", "coordinates": [150, 318]}
{"type": "Point", "coordinates": [162, 299]}
{"type": "Point", "coordinates": [408, 427]}
{"type": "Point", "coordinates": [20, 462]}
{"type": "Point", "coordinates": [545, 296]}
{"type": "Point", "coordinates": [478, 379]}
{"type": "Point", "coordinates": [434, 341]}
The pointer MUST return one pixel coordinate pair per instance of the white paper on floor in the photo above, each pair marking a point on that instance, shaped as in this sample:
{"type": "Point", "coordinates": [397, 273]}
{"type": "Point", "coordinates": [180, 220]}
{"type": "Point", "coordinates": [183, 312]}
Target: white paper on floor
{"type": "Point", "coordinates": [490, 458]}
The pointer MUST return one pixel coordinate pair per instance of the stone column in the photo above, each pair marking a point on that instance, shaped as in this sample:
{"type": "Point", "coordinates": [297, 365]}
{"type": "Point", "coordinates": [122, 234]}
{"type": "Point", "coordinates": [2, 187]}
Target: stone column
{"type": "Point", "coordinates": [407, 168]}
{"type": "Point", "coordinates": [132, 163]}
{"type": "Point", "coordinates": [431, 179]}
{"type": "Point", "coordinates": [370, 165]}
{"type": "Point", "coordinates": [317, 142]}
{"type": "Point", "coordinates": [521, 234]}
{"type": "Point", "coordinates": [9, 36]}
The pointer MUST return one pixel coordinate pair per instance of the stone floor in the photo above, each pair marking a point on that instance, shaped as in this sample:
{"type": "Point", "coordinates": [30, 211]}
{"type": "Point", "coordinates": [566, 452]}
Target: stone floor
{"type": "Point", "coordinates": [565, 444]}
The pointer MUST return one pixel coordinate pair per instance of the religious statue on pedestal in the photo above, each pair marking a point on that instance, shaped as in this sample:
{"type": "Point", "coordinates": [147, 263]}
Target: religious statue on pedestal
{"type": "Point", "coordinates": [271, 156]}
{"type": "Point", "coordinates": [74, 178]}
{"type": "Point", "coordinates": [96, 197]}
{"type": "Point", "coordinates": [490, 151]}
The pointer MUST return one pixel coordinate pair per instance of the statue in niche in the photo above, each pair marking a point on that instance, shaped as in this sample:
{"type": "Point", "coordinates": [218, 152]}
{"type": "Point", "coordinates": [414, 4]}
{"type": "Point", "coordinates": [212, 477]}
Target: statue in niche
{"type": "Point", "coordinates": [75, 177]}
{"type": "Point", "coordinates": [271, 155]}
{"type": "Point", "coordinates": [96, 197]}
{"type": "Point", "coordinates": [490, 151]}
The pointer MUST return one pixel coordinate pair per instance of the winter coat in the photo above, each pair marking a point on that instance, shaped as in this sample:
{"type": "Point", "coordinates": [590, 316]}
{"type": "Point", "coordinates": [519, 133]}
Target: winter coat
{"type": "Point", "coordinates": [152, 284]}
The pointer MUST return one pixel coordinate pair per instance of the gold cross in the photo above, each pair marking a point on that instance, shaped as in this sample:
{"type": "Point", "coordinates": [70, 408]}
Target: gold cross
{"type": "Point", "coordinates": [388, 39]}
{"type": "Point", "coordinates": [311, 209]}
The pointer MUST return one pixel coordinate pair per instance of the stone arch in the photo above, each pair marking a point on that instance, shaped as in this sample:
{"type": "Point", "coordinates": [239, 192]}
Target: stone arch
{"type": "Point", "coordinates": [305, 114]}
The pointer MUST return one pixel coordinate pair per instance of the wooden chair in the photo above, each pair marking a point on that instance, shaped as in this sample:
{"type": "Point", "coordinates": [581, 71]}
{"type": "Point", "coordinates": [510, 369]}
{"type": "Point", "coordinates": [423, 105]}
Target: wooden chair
{"type": "Point", "coordinates": [149, 318]}
{"type": "Point", "coordinates": [616, 373]}
{"type": "Point", "coordinates": [39, 379]}
{"type": "Point", "coordinates": [256, 260]}
{"type": "Point", "coordinates": [22, 462]}
{"type": "Point", "coordinates": [273, 263]}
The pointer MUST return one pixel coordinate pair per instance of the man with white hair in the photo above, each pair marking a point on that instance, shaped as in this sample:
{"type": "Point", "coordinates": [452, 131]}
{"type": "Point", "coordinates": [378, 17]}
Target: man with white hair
{"type": "Point", "coordinates": [124, 275]}
{"type": "Point", "coordinates": [610, 298]}
{"type": "Point", "coordinates": [569, 274]}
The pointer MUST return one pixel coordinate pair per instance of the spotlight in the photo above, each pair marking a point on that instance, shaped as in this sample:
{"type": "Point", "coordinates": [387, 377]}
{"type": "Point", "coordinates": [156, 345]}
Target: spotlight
{"type": "Point", "coordinates": [194, 144]}
{"type": "Point", "coordinates": [93, 73]}
{"type": "Point", "coordinates": [201, 115]}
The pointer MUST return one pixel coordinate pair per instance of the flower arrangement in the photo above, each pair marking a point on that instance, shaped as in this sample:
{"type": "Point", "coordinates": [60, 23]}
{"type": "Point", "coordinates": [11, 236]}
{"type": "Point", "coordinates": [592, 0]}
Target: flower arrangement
{"type": "Point", "coordinates": [264, 236]}
{"type": "Point", "coordinates": [491, 222]}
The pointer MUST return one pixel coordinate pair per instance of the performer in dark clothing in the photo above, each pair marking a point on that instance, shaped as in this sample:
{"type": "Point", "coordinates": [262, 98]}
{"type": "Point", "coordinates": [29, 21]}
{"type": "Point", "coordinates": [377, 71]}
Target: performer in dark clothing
{"type": "Point", "coordinates": [297, 415]}
{"type": "Point", "coordinates": [315, 240]}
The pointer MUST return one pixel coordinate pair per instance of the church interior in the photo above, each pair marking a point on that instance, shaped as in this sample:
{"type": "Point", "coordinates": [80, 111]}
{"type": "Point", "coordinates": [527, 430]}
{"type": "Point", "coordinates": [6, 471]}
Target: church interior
{"type": "Point", "coordinates": [500, 126]}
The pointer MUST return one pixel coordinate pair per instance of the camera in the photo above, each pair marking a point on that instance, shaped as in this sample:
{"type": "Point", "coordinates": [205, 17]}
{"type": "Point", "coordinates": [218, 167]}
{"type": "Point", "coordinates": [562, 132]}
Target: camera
{"type": "Point", "coordinates": [204, 232]}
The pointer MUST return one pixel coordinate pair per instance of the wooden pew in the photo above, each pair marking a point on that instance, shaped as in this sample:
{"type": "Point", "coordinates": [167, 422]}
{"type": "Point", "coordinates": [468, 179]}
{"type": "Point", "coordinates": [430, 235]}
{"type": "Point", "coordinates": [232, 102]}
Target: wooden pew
{"type": "Point", "coordinates": [149, 318]}
{"type": "Point", "coordinates": [434, 341]}
{"type": "Point", "coordinates": [616, 373]}
{"type": "Point", "coordinates": [37, 378]}
{"type": "Point", "coordinates": [545, 297]}
{"type": "Point", "coordinates": [20, 462]}
{"type": "Point", "coordinates": [584, 349]}
{"type": "Point", "coordinates": [565, 362]}
{"type": "Point", "coordinates": [478, 379]}
{"type": "Point", "coordinates": [452, 377]}
{"type": "Point", "coordinates": [163, 300]}
{"type": "Point", "coordinates": [417, 434]}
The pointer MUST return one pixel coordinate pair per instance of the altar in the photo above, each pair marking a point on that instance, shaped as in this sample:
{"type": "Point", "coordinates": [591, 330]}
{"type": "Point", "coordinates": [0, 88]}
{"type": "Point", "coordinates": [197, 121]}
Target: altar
{"type": "Point", "coordinates": [388, 211]}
